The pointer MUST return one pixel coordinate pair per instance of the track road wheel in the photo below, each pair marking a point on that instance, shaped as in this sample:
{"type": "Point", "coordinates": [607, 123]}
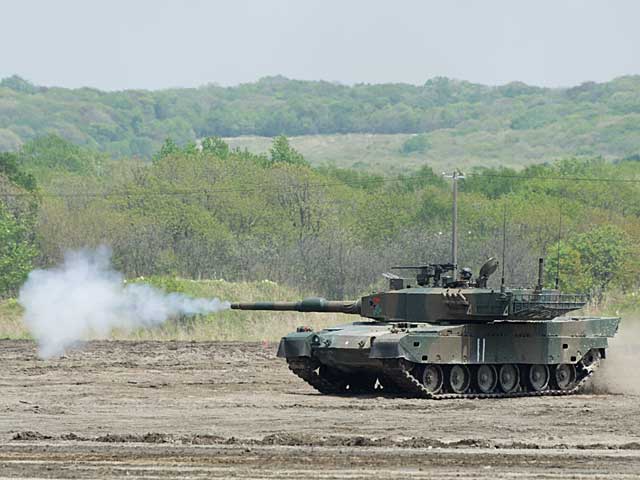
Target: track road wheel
{"type": "Point", "coordinates": [509, 378]}
{"type": "Point", "coordinates": [487, 378]}
{"type": "Point", "coordinates": [432, 378]}
{"type": "Point", "coordinates": [538, 377]}
{"type": "Point", "coordinates": [459, 379]}
{"type": "Point", "coordinates": [565, 376]}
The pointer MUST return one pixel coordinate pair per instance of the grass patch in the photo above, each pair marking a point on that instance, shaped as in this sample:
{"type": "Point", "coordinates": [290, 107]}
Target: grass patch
{"type": "Point", "coordinates": [616, 303]}
{"type": "Point", "coordinates": [11, 324]}
{"type": "Point", "coordinates": [464, 148]}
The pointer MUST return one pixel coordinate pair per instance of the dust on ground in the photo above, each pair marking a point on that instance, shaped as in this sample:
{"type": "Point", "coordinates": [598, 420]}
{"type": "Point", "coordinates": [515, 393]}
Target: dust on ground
{"type": "Point", "coordinates": [620, 372]}
{"type": "Point", "coordinates": [218, 410]}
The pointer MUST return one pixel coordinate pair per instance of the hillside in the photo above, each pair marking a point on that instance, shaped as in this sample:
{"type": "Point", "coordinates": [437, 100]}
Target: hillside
{"type": "Point", "coordinates": [456, 121]}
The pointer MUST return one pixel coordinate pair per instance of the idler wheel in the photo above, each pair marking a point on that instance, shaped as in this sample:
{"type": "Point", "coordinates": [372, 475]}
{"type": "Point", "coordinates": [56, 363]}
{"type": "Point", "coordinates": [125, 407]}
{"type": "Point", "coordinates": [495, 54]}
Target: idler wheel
{"type": "Point", "coordinates": [565, 376]}
{"type": "Point", "coordinates": [591, 358]}
{"type": "Point", "coordinates": [459, 378]}
{"type": "Point", "coordinates": [509, 378]}
{"type": "Point", "coordinates": [487, 378]}
{"type": "Point", "coordinates": [432, 378]}
{"type": "Point", "coordinates": [538, 377]}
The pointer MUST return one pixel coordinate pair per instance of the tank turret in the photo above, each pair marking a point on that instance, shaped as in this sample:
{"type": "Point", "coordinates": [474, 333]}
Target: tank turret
{"type": "Point", "coordinates": [441, 299]}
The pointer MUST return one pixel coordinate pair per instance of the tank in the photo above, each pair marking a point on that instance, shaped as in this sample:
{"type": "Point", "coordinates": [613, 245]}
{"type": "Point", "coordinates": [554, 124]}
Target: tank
{"type": "Point", "coordinates": [445, 334]}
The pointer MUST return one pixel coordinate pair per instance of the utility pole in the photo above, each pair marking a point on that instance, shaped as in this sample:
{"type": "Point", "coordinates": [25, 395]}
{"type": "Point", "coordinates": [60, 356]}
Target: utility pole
{"type": "Point", "coordinates": [454, 220]}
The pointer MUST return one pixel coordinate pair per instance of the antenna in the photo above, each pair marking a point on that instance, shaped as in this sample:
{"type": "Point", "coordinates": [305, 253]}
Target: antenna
{"type": "Point", "coordinates": [504, 244]}
{"type": "Point", "coordinates": [454, 220]}
{"type": "Point", "coordinates": [558, 253]}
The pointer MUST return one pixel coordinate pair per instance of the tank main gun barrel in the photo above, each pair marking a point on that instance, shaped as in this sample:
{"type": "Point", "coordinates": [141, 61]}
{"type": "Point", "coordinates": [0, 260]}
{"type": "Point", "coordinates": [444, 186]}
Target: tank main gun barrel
{"type": "Point", "coordinates": [306, 305]}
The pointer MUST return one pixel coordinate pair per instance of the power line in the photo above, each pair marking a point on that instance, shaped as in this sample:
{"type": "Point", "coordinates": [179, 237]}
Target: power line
{"type": "Point", "coordinates": [564, 178]}
{"type": "Point", "coordinates": [311, 186]}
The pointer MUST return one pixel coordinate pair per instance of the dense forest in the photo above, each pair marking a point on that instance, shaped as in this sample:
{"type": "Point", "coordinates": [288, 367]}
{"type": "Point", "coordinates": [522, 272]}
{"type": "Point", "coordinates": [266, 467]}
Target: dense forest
{"type": "Point", "coordinates": [209, 211]}
{"type": "Point", "coordinates": [592, 119]}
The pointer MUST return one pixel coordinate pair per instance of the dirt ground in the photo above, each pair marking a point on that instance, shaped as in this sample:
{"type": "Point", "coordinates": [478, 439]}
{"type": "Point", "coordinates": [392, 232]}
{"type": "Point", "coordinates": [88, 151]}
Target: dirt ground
{"type": "Point", "coordinates": [223, 410]}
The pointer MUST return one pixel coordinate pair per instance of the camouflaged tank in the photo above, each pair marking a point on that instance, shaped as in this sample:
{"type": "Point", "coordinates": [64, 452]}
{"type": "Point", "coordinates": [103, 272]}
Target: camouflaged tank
{"type": "Point", "coordinates": [448, 335]}
{"type": "Point", "coordinates": [444, 336]}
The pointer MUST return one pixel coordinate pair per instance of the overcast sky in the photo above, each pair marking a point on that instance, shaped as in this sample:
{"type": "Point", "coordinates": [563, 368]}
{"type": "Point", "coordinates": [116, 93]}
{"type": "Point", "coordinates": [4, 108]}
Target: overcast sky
{"type": "Point", "coordinates": [117, 44]}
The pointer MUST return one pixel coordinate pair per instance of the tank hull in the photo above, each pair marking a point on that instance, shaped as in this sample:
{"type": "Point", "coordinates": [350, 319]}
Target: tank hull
{"type": "Point", "coordinates": [373, 355]}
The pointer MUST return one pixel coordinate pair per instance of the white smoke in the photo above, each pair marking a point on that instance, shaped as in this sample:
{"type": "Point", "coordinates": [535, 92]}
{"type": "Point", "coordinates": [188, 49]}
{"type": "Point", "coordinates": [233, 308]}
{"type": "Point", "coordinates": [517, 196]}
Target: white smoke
{"type": "Point", "coordinates": [620, 374]}
{"type": "Point", "coordinates": [86, 297]}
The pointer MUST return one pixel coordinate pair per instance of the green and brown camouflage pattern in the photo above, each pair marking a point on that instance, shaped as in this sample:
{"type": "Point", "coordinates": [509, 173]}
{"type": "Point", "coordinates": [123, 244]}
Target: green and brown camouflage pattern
{"type": "Point", "coordinates": [443, 327]}
{"type": "Point", "coordinates": [365, 344]}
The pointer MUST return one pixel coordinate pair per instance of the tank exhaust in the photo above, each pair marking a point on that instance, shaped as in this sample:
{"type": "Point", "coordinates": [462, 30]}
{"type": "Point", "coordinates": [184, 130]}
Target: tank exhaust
{"type": "Point", "coordinates": [504, 247]}
{"type": "Point", "coordinates": [540, 274]}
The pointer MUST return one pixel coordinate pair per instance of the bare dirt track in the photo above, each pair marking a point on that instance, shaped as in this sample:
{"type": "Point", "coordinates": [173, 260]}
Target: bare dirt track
{"type": "Point", "coordinates": [221, 410]}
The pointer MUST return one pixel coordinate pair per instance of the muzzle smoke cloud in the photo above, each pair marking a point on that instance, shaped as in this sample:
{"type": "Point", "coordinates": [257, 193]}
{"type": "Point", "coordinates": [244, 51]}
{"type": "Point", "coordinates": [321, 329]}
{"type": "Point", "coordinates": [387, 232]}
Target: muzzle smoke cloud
{"type": "Point", "coordinates": [86, 297]}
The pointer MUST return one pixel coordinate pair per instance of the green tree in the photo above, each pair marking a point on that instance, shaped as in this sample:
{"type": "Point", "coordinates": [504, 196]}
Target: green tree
{"type": "Point", "coordinates": [19, 84]}
{"type": "Point", "coordinates": [492, 182]}
{"type": "Point", "coordinates": [592, 261]}
{"type": "Point", "coordinates": [49, 154]}
{"type": "Point", "coordinates": [424, 177]}
{"type": "Point", "coordinates": [16, 253]}
{"type": "Point", "coordinates": [9, 168]}
{"type": "Point", "coordinates": [19, 203]}
{"type": "Point", "coordinates": [169, 147]}
{"type": "Point", "coordinates": [215, 146]}
{"type": "Point", "coordinates": [282, 152]}
{"type": "Point", "coordinates": [416, 144]}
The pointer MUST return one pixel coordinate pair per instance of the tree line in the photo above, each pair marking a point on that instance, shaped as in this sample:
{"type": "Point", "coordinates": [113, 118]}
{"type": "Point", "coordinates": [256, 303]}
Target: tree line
{"type": "Point", "coordinates": [590, 119]}
{"type": "Point", "coordinates": [209, 211]}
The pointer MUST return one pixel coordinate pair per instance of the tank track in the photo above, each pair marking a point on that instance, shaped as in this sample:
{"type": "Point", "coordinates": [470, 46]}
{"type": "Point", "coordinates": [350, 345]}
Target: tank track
{"type": "Point", "coordinates": [409, 384]}
{"type": "Point", "coordinates": [331, 382]}
{"type": "Point", "coordinates": [405, 384]}
{"type": "Point", "coordinates": [307, 370]}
